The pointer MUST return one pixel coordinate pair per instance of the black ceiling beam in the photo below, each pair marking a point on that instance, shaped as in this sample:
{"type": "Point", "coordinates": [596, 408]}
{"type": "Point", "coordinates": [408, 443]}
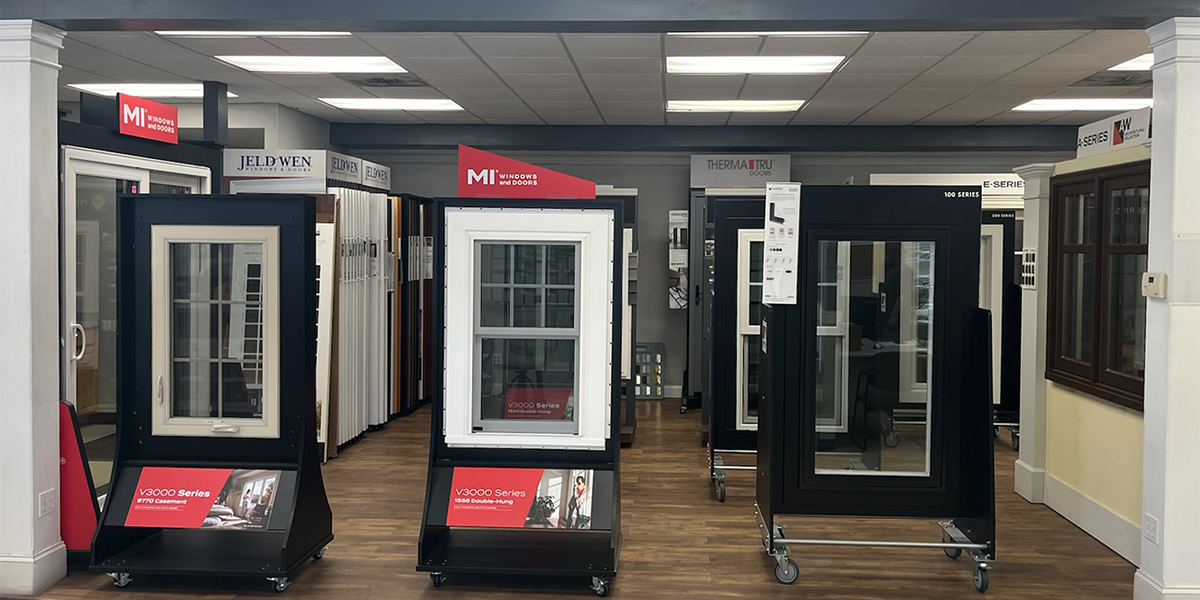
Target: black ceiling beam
{"type": "Point", "coordinates": [599, 15]}
{"type": "Point", "coordinates": [655, 138]}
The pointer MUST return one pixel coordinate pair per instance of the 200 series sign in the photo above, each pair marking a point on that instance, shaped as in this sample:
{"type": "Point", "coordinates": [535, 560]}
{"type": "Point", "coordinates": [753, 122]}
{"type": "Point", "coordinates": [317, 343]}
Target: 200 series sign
{"type": "Point", "coordinates": [147, 119]}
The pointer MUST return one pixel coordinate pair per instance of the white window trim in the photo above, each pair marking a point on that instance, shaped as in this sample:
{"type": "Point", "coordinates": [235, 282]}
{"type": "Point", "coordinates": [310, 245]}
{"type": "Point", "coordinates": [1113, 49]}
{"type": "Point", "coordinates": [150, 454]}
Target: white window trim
{"type": "Point", "coordinates": [162, 423]}
{"type": "Point", "coordinates": [593, 230]}
{"type": "Point", "coordinates": [841, 330]}
{"type": "Point", "coordinates": [746, 237]}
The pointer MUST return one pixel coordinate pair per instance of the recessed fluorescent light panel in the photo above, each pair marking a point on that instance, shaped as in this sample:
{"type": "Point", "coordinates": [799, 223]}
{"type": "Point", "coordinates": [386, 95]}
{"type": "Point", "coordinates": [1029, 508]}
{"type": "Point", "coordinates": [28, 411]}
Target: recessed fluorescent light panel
{"type": "Point", "coordinates": [745, 34]}
{"type": "Point", "coordinates": [145, 90]}
{"type": "Point", "coordinates": [765, 65]}
{"type": "Point", "coordinates": [244, 34]}
{"type": "Point", "coordinates": [1093, 104]}
{"type": "Point", "coordinates": [314, 64]}
{"type": "Point", "coordinates": [1142, 63]}
{"type": "Point", "coordinates": [734, 105]}
{"type": "Point", "coordinates": [409, 104]}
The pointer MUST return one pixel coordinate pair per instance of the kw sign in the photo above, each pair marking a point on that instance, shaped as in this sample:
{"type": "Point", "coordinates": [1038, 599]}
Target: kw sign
{"type": "Point", "coordinates": [147, 119]}
{"type": "Point", "coordinates": [486, 175]}
{"type": "Point", "coordinates": [1122, 131]}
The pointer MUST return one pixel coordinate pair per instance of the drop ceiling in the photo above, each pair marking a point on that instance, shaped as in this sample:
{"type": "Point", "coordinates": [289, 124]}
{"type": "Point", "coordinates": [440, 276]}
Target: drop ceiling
{"type": "Point", "coordinates": [912, 78]}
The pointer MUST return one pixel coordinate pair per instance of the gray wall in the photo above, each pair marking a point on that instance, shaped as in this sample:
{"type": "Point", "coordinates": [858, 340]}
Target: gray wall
{"type": "Point", "coordinates": [662, 181]}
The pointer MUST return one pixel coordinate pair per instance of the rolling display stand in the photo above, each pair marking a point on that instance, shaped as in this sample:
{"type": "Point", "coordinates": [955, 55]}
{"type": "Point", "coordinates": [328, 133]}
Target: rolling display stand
{"type": "Point", "coordinates": [736, 284]}
{"type": "Point", "coordinates": [886, 318]}
{"type": "Point", "coordinates": [523, 471]}
{"type": "Point", "coordinates": [217, 470]}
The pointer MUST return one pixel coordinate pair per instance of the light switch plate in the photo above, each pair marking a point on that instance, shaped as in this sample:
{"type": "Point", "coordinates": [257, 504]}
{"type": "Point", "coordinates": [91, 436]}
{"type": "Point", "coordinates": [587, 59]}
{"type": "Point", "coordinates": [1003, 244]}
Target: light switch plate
{"type": "Point", "coordinates": [1150, 528]}
{"type": "Point", "coordinates": [1154, 285]}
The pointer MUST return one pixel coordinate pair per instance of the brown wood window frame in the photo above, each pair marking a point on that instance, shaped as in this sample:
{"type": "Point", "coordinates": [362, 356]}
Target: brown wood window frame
{"type": "Point", "coordinates": [1092, 378]}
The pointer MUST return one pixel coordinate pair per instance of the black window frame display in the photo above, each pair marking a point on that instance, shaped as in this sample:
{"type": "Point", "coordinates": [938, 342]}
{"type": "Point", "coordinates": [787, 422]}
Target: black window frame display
{"type": "Point", "coordinates": [524, 546]}
{"type": "Point", "coordinates": [958, 483]}
{"type": "Point", "coordinates": [1007, 407]}
{"type": "Point", "coordinates": [296, 520]}
{"type": "Point", "coordinates": [728, 437]}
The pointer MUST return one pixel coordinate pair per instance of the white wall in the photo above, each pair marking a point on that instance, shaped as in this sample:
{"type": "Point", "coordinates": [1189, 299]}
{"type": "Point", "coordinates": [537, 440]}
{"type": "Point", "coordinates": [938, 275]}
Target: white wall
{"type": "Point", "coordinates": [662, 180]}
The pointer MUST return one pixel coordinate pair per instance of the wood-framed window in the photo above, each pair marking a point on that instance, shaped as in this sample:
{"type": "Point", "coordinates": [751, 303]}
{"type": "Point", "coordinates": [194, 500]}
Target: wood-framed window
{"type": "Point", "coordinates": [1096, 327]}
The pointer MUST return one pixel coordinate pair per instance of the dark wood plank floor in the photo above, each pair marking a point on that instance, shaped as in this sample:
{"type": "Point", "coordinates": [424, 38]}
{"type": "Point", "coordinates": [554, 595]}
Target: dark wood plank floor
{"type": "Point", "coordinates": [680, 543]}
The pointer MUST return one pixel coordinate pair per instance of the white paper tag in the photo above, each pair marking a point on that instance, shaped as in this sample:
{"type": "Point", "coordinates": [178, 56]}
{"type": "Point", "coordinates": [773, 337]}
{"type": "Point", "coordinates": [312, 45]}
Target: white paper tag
{"type": "Point", "coordinates": [781, 243]}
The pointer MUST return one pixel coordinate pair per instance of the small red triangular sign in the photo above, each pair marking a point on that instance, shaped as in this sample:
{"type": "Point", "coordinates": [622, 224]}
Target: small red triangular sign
{"type": "Point", "coordinates": [485, 175]}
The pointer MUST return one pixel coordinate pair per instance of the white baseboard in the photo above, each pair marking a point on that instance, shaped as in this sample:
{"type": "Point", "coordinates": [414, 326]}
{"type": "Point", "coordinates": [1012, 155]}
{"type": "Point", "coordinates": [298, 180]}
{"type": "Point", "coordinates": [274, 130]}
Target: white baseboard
{"type": "Point", "coordinates": [673, 391]}
{"type": "Point", "coordinates": [1112, 530]}
{"type": "Point", "coordinates": [1146, 588]}
{"type": "Point", "coordinates": [28, 576]}
{"type": "Point", "coordinates": [1030, 482]}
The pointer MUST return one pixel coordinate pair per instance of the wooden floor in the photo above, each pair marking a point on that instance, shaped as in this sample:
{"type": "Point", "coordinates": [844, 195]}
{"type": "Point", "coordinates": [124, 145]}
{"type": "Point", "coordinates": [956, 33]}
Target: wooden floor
{"type": "Point", "coordinates": [680, 543]}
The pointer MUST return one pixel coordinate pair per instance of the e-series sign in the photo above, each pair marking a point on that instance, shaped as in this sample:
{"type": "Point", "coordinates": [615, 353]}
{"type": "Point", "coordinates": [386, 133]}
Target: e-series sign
{"type": "Point", "coordinates": [148, 119]}
{"type": "Point", "coordinates": [1122, 131]}
{"type": "Point", "coordinates": [739, 170]}
{"type": "Point", "coordinates": [992, 184]}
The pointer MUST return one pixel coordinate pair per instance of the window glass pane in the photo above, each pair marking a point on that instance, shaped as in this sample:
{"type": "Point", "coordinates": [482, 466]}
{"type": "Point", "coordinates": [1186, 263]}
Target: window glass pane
{"type": "Point", "coordinates": [495, 263]}
{"type": "Point", "coordinates": [527, 285]}
{"type": "Point", "coordinates": [827, 281]}
{"type": "Point", "coordinates": [751, 344]}
{"type": "Point", "coordinates": [755, 312]}
{"type": "Point", "coordinates": [1077, 306]}
{"type": "Point", "coordinates": [560, 308]}
{"type": "Point", "coordinates": [528, 265]}
{"type": "Point", "coordinates": [527, 379]}
{"type": "Point", "coordinates": [527, 307]}
{"type": "Point", "coordinates": [1127, 315]}
{"type": "Point", "coordinates": [1130, 211]}
{"type": "Point", "coordinates": [829, 380]}
{"type": "Point", "coordinates": [1079, 218]}
{"type": "Point", "coordinates": [194, 389]}
{"type": "Point", "coordinates": [756, 262]}
{"type": "Point", "coordinates": [197, 329]}
{"type": "Point", "coordinates": [494, 306]}
{"type": "Point", "coordinates": [560, 265]}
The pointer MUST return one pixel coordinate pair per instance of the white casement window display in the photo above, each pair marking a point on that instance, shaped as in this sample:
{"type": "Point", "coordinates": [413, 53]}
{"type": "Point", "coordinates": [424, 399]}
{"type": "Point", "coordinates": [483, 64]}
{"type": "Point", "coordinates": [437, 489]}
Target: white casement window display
{"type": "Point", "coordinates": [529, 346]}
{"type": "Point", "coordinates": [833, 337]}
{"type": "Point", "coordinates": [215, 323]}
{"type": "Point", "coordinates": [749, 319]}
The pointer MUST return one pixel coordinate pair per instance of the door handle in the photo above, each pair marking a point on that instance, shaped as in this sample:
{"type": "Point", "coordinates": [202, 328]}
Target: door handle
{"type": "Point", "coordinates": [81, 333]}
{"type": "Point", "coordinates": [159, 394]}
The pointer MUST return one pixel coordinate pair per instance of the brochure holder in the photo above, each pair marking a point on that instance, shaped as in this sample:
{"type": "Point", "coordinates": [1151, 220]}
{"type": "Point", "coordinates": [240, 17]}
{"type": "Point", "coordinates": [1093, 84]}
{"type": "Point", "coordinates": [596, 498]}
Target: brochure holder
{"type": "Point", "coordinates": [887, 319]}
{"type": "Point", "coordinates": [217, 470]}
{"type": "Point", "coordinates": [523, 471]}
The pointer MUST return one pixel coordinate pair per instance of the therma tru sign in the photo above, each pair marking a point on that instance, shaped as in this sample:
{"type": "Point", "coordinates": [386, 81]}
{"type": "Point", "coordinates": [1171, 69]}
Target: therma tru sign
{"type": "Point", "coordinates": [755, 166]}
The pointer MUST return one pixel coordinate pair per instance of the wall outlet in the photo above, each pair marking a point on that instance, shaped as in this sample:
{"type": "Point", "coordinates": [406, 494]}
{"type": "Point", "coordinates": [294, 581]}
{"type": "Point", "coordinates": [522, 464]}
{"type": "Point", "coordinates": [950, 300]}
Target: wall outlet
{"type": "Point", "coordinates": [46, 502]}
{"type": "Point", "coordinates": [1150, 528]}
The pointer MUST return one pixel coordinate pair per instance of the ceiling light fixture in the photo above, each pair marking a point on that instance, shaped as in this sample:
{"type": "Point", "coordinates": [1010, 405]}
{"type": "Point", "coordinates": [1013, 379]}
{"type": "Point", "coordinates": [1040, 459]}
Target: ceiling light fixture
{"type": "Point", "coordinates": [764, 65]}
{"type": "Point", "coordinates": [409, 104]}
{"type": "Point", "coordinates": [243, 34]}
{"type": "Point", "coordinates": [1142, 63]}
{"type": "Point", "coordinates": [314, 64]}
{"type": "Point", "coordinates": [1090, 104]}
{"type": "Point", "coordinates": [145, 90]}
{"type": "Point", "coordinates": [745, 34]}
{"type": "Point", "coordinates": [734, 105]}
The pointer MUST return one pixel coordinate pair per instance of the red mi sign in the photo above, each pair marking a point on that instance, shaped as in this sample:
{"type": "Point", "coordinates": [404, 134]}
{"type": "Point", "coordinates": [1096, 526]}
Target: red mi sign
{"type": "Point", "coordinates": [147, 119]}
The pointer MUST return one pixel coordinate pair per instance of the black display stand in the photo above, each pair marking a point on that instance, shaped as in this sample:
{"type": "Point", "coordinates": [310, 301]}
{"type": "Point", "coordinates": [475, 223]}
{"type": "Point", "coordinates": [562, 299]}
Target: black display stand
{"type": "Point", "coordinates": [726, 439]}
{"type": "Point", "coordinates": [959, 482]}
{"type": "Point", "coordinates": [301, 524]}
{"type": "Point", "coordinates": [445, 549]}
{"type": "Point", "coordinates": [1007, 412]}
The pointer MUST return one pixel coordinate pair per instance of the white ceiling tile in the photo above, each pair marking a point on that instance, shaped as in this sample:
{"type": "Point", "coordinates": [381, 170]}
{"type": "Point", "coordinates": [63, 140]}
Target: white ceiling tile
{"type": "Point", "coordinates": [676, 81]}
{"type": "Point", "coordinates": [614, 45]}
{"type": "Point", "coordinates": [515, 120]}
{"type": "Point", "coordinates": [767, 84]}
{"type": "Point", "coordinates": [539, 106]}
{"type": "Point", "coordinates": [702, 94]}
{"type": "Point", "coordinates": [760, 118]}
{"type": "Point", "coordinates": [341, 91]}
{"type": "Point", "coordinates": [897, 118]}
{"type": "Point", "coordinates": [633, 118]}
{"type": "Point", "coordinates": [620, 66]}
{"type": "Point", "coordinates": [1088, 92]}
{"type": "Point", "coordinates": [132, 44]}
{"type": "Point", "coordinates": [448, 117]}
{"type": "Point", "coordinates": [294, 80]}
{"type": "Point", "coordinates": [974, 65]}
{"type": "Point", "coordinates": [914, 43]}
{"type": "Point", "coordinates": [699, 46]}
{"type": "Point", "coordinates": [632, 106]}
{"type": "Point", "coordinates": [1027, 43]}
{"type": "Point", "coordinates": [1040, 81]}
{"type": "Point", "coordinates": [888, 64]}
{"type": "Point", "coordinates": [1080, 118]}
{"type": "Point", "coordinates": [402, 46]}
{"type": "Point", "coordinates": [1141, 92]}
{"type": "Point", "coordinates": [623, 82]}
{"type": "Point", "coordinates": [944, 118]}
{"type": "Point", "coordinates": [1119, 43]}
{"type": "Point", "coordinates": [674, 118]}
{"type": "Point", "coordinates": [530, 65]}
{"type": "Point", "coordinates": [858, 95]}
{"type": "Point", "coordinates": [230, 46]}
{"type": "Point", "coordinates": [654, 94]}
{"type": "Point", "coordinates": [522, 81]}
{"type": "Point", "coordinates": [1019, 118]}
{"type": "Point", "coordinates": [460, 80]}
{"type": "Point", "coordinates": [868, 80]}
{"type": "Point", "coordinates": [504, 106]}
{"type": "Point", "coordinates": [563, 94]}
{"type": "Point", "coordinates": [571, 118]}
{"type": "Point", "coordinates": [493, 95]}
{"type": "Point", "coordinates": [812, 46]}
{"type": "Point", "coordinates": [777, 93]}
{"type": "Point", "coordinates": [515, 44]}
{"type": "Point", "coordinates": [947, 80]}
{"type": "Point", "coordinates": [394, 117]}
{"type": "Point", "coordinates": [448, 66]}
{"type": "Point", "coordinates": [327, 46]}
{"type": "Point", "coordinates": [986, 103]}
{"type": "Point", "coordinates": [72, 75]}
{"type": "Point", "coordinates": [266, 92]}
{"type": "Point", "coordinates": [405, 92]}
{"type": "Point", "coordinates": [820, 119]}
{"type": "Point", "coordinates": [203, 68]}
{"type": "Point", "coordinates": [1058, 63]}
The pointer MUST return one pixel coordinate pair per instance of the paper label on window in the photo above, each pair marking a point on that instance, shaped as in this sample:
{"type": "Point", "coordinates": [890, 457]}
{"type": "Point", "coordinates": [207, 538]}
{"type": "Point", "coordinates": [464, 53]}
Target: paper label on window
{"type": "Point", "coordinates": [781, 243]}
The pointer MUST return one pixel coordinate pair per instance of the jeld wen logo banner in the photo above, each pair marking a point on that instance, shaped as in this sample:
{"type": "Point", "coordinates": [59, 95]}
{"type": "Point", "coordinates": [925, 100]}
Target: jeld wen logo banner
{"type": "Point", "coordinates": [148, 119]}
{"type": "Point", "coordinates": [486, 175]}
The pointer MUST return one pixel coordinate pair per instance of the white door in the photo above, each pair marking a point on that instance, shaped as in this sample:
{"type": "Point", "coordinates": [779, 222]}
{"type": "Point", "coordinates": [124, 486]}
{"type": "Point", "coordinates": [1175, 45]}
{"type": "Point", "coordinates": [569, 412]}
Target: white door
{"type": "Point", "coordinates": [92, 181]}
{"type": "Point", "coordinates": [991, 292]}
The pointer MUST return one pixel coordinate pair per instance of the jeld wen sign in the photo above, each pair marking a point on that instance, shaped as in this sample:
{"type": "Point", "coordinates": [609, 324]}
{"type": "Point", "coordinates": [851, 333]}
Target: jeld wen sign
{"type": "Point", "coordinates": [148, 119]}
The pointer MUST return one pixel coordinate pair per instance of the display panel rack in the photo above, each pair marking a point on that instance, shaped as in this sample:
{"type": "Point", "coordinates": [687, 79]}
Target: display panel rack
{"type": "Point", "coordinates": [523, 465]}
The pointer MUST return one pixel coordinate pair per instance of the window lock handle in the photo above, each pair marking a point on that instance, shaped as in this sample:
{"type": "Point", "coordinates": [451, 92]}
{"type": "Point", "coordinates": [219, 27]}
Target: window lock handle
{"type": "Point", "coordinates": [159, 393]}
{"type": "Point", "coordinates": [225, 428]}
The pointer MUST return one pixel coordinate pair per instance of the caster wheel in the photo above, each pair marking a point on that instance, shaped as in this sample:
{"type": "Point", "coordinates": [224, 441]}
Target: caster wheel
{"type": "Point", "coordinates": [953, 553]}
{"type": "Point", "coordinates": [438, 579]}
{"type": "Point", "coordinates": [121, 579]}
{"type": "Point", "coordinates": [320, 554]}
{"type": "Point", "coordinates": [1016, 441]}
{"type": "Point", "coordinates": [787, 571]}
{"type": "Point", "coordinates": [720, 491]}
{"type": "Point", "coordinates": [996, 431]}
{"type": "Point", "coordinates": [600, 586]}
{"type": "Point", "coordinates": [892, 439]}
{"type": "Point", "coordinates": [980, 580]}
{"type": "Point", "coordinates": [281, 583]}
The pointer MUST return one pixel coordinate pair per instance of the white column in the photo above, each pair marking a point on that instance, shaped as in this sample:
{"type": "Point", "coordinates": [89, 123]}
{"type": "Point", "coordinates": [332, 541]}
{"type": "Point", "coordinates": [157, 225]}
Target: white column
{"type": "Point", "coordinates": [1170, 478]}
{"type": "Point", "coordinates": [1030, 475]}
{"type": "Point", "coordinates": [32, 555]}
